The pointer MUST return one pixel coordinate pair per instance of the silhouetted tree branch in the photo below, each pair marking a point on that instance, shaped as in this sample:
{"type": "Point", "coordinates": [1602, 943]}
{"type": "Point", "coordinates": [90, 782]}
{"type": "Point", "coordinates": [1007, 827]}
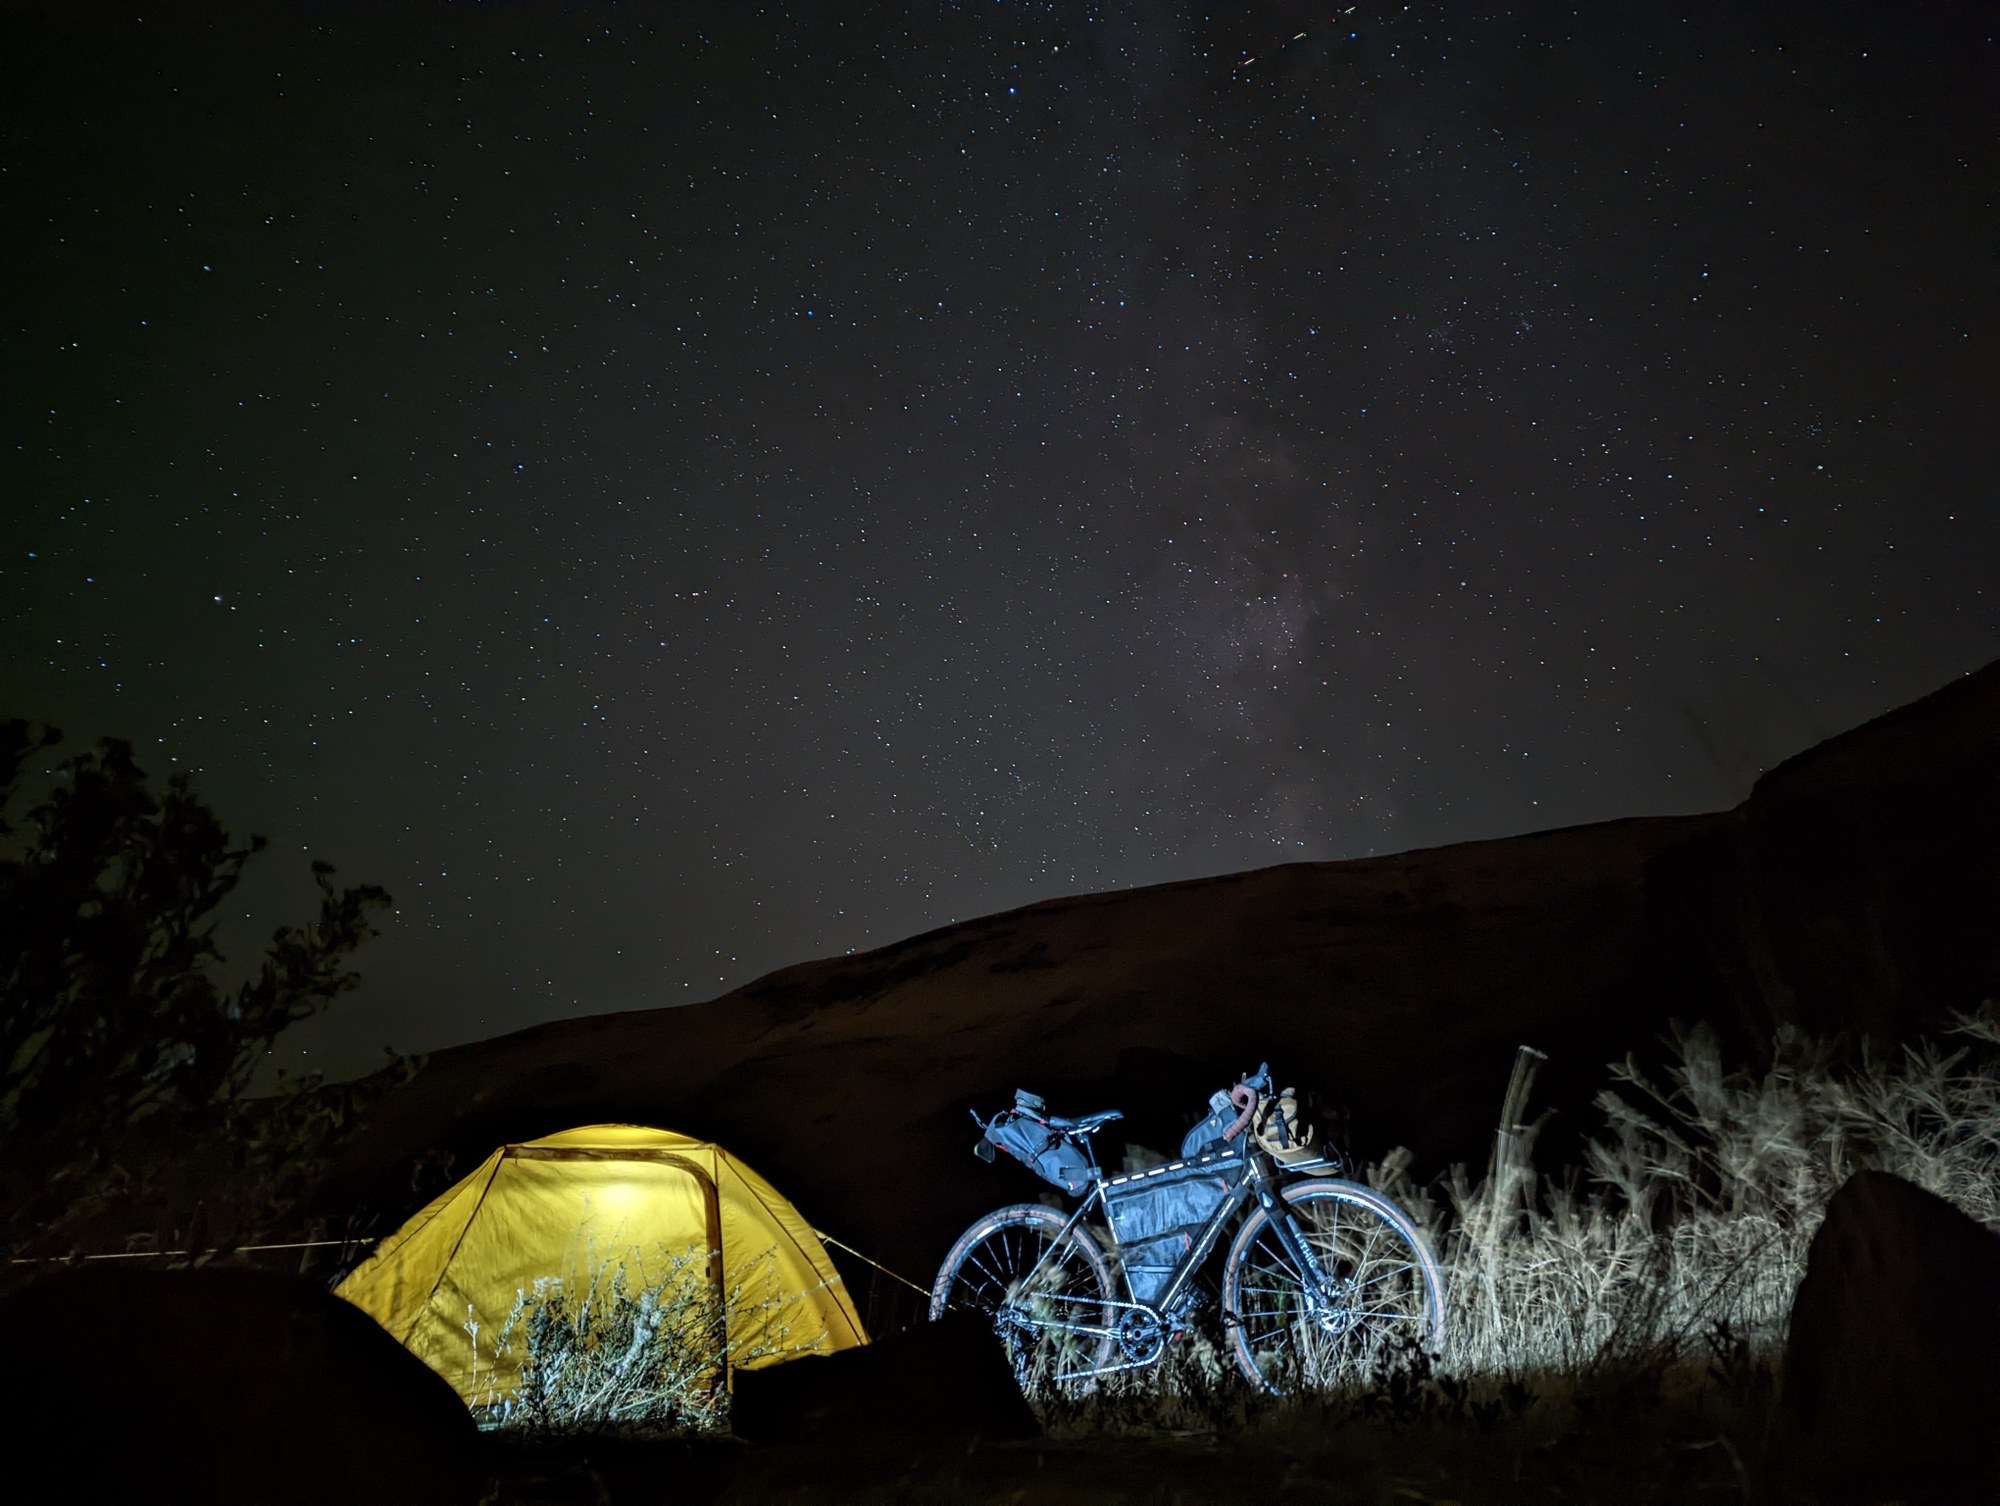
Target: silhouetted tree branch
{"type": "Point", "coordinates": [111, 1014]}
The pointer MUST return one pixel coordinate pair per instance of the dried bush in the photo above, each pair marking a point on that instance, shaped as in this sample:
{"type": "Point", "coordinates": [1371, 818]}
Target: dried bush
{"type": "Point", "coordinates": [603, 1352]}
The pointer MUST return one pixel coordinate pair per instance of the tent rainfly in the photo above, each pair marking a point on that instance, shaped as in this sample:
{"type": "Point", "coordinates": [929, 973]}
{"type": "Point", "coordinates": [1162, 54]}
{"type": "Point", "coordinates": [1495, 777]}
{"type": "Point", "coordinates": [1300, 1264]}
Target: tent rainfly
{"type": "Point", "coordinates": [581, 1205]}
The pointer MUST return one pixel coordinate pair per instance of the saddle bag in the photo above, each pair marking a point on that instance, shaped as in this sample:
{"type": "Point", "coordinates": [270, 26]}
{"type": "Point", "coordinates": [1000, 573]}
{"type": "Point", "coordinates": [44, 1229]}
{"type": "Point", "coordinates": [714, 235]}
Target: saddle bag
{"type": "Point", "coordinates": [1048, 1153]}
{"type": "Point", "coordinates": [1157, 1215]}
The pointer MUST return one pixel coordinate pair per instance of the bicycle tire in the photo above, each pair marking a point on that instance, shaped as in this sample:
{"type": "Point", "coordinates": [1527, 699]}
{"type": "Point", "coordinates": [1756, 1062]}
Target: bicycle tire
{"type": "Point", "coordinates": [1363, 1241]}
{"type": "Point", "coordinates": [983, 1272]}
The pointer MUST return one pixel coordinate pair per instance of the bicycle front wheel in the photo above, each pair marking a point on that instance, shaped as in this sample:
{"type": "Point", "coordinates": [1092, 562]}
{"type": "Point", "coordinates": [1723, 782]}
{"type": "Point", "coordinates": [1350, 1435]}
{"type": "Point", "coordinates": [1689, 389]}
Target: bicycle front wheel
{"type": "Point", "coordinates": [1046, 1292]}
{"type": "Point", "coordinates": [1383, 1297]}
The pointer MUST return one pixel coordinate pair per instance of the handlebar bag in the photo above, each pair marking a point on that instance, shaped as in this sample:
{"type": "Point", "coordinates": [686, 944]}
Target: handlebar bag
{"type": "Point", "coordinates": [1156, 1216]}
{"type": "Point", "coordinates": [1207, 1135]}
{"type": "Point", "coordinates": [1048, 1153]}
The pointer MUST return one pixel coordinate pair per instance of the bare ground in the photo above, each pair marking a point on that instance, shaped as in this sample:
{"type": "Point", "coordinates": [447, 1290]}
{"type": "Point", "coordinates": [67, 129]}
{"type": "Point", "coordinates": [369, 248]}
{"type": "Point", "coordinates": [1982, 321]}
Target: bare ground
{"type": "Point", "coordinates": [1703, 1447]}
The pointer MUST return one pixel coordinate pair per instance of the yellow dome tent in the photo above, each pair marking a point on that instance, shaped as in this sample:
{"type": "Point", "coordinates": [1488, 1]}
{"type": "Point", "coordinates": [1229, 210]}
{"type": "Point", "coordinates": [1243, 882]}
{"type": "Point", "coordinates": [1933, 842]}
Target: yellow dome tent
{"type": "Point", "coordinates": [587, 1203]}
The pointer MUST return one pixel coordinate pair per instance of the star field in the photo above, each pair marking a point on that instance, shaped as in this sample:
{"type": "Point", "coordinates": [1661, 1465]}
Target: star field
{"type": "Point", "coordinates": [675, 491]}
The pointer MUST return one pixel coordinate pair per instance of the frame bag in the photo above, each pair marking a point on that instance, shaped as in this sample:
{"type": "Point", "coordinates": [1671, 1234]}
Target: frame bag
{"type": "Point", "coordinates": [1156, 1218]}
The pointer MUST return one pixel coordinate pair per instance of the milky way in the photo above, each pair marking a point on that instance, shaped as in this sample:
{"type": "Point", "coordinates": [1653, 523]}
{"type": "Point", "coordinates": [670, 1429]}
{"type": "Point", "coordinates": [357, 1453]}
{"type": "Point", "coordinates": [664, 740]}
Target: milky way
{"type": "Point", "coordinates": [674, 491]}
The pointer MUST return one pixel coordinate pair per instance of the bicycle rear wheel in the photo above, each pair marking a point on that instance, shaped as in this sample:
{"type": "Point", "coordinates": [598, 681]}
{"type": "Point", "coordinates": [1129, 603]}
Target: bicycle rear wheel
{"type": "Point", "coordinates": [1017, 1266]}
{"type": "Point", "coordinates": [1387, 1301]}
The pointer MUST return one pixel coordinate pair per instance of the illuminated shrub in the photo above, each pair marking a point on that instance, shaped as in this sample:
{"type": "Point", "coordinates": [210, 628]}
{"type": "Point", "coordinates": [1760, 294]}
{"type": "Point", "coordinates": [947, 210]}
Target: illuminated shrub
{"type": "Point", "coordinates": [607, 1352]}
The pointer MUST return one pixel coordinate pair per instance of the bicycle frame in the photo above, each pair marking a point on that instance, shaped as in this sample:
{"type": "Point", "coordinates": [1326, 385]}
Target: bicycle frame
{"type": "Point", "coordinates": [1261, 1179]}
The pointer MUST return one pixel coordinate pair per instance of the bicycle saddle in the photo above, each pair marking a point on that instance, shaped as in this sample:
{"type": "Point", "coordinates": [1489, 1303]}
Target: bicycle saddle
{"type": "Point", "coordinates": [1084, 1124]}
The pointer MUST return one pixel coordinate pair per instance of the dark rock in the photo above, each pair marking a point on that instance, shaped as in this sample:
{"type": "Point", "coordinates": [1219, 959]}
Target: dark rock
{"type": "Point", "coordinates": [946, 1383]}
{"type": "Point", "coordinates": [1892, 1370]}
{"type": "Point", "coordinates": [220, 1386]}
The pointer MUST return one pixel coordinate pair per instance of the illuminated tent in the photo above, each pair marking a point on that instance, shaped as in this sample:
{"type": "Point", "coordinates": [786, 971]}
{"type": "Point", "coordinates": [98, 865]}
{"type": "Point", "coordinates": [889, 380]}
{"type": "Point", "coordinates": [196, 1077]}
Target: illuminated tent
{"type": "Point", "coordinates": [580, 1207]}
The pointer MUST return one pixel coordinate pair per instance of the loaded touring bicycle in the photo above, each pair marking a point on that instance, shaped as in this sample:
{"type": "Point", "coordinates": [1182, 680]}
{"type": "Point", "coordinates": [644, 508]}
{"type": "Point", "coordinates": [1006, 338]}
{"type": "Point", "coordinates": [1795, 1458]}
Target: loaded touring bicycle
{"type": "Point", "coordinates": [1325, 1281]}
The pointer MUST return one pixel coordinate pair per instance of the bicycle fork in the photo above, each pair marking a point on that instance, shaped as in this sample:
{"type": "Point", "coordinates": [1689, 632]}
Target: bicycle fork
{"type": "Point", "coordinates": [1325, 1295]}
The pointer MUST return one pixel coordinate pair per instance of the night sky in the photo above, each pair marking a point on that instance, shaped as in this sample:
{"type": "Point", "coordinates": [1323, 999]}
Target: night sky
{"type": "Point", "coordinates": [672, 491]}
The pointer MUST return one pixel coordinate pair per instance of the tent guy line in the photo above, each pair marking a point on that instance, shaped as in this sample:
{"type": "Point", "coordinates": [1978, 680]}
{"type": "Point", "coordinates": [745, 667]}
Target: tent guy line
{"type": "Point", "coordinates": [325, 1244]}
{"type": "Point", "coordinates": [828, 1239]}
{"type": "Point", "coordinates": [294, 1244]}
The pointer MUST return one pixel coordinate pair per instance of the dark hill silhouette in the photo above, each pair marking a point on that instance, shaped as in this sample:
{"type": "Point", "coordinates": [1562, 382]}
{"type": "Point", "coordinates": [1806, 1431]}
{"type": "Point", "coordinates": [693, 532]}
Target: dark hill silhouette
{"type": "Point", "coordinates": [1856, 889]}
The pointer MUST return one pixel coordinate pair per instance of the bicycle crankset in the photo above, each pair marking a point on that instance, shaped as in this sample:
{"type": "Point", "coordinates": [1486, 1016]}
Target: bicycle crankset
{"type": "Point", "coordinates": [1142, 1335]}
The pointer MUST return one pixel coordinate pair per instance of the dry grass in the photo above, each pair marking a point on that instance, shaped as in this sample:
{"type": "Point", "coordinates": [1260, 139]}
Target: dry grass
{"type": "Point", "coordinates": [1683, 1236]}
{"type": "Point", "coordinates": [1194, 1388]}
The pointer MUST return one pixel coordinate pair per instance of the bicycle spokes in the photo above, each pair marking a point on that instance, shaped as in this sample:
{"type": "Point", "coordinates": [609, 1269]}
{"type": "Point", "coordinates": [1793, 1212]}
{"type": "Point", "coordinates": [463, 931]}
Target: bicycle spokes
{"type": "Point", "coordinates": [1043, 1284]}
{"type": "Point", "coordinates": [1332, 1299]}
